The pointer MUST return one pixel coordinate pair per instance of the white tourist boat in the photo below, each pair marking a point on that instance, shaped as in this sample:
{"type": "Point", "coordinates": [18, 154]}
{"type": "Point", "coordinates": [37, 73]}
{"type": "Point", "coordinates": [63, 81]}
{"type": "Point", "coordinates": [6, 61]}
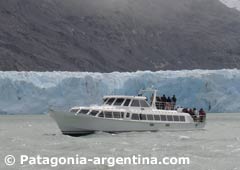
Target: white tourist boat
{"type": "Point", "coordinates": [124, 114]}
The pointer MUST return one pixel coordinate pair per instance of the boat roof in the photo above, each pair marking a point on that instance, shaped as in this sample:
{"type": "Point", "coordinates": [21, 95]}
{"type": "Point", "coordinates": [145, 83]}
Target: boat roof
{"type": "Point", "coordinates": [126, 97]}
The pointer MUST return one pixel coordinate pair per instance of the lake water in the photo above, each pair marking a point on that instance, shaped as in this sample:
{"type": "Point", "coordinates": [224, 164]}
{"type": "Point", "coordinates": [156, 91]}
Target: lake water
{"type": "Point", "coordinates": [215, 148]}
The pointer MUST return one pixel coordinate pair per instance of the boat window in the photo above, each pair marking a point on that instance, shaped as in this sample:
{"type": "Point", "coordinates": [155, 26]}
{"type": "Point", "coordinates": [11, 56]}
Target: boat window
{"type": "Point", "coordinates": [118, 102]}
{"type": "Point", "coordinates": [74, 110]}
{"type": "Point", "coordinates": [110, 101]}
{"type": "Point", "coordinates": [182, 118]}
{"type": "Point", "coordinates": [108, 115]}
{"type": "Point", "coordinates": [104, 100]}
{"type": "Point", "coordinates": [143, 103]}
{"type": "Point", "coordinates": [142, 117]}
{"type": "Point", "coordinates": [122, 114]}
{"type": "Point", "coordinates": [135, 117]}
{"type": "Point", "coordinates": [150, 117]}
{"type": "Point", "coordinates": [116, 115]}
{"type": "Point", "coordinates": [157, 117]}
{"type": "Point", "coordinates": [101, 114]}
{"type": "Point", "coordinates": [169, 118]}
{"type": "Point", "coordinates": [176, 118]}
{"type": "Point", "coordinates": [84, 111]}
{"type": "Point", "coordinates": [163, 117]}
{"type": "Point", "coordinates": [126, 103]}
{"type": "Point", "coordinates": [135, 103]}
{"type": "Point", "coordinates": [127, 115]}
{"type": "Point", "coordinates": [94, 112]}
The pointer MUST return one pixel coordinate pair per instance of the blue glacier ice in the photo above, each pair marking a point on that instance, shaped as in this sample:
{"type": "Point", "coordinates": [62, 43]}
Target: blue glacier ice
{"type": "Point", "coordinates": [35, 92]}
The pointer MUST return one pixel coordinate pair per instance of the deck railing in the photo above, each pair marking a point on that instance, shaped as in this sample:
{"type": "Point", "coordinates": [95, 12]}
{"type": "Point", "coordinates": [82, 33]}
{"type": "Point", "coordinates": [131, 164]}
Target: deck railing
{"type": "Point", "coordinates": [171, 106]}
{"type": "Point", "coordinates": [165, 105]}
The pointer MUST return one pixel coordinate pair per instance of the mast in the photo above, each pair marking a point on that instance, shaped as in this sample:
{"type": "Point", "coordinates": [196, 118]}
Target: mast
{"type": "Point", "coordinates": [154, 98]}
{"type": "Point", "coordinates": [154, 95]}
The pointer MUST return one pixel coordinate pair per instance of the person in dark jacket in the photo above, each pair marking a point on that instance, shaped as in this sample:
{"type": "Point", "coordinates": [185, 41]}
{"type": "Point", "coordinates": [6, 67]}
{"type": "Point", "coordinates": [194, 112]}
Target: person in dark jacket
{"type": "Point", "coordinates": [174, 100]}
{"type": "Point", "coordinates": [158, 99]}
{"type": "Point", "coordinates": [191, 112]}
{"type": "Point", "coordinates": [202, 115]}
{"type": "Point", "coordinates": [168, 104]}
{"type": "Point", "coordinates": [185, 110]}
{"type": "Point", "coordinates": [158, 102]}
{"type": "Point", "coordinates": [164, 99]}
{"type": "Point", "coordinates": [169, 100]}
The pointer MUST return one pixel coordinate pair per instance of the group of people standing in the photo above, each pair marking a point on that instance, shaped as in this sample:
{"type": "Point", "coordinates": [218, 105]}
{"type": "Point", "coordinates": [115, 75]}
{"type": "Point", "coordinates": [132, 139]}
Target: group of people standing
{"type": "Point", "coordinates": [196, 115]}
{"type": "Point", "coordinates": [169, 103]}
{"type": "Point", "coordinates": [166, 103]}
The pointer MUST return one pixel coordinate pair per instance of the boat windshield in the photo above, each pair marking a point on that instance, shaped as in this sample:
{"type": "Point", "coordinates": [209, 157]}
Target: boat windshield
{"type": "Point", "coordinates": [139, 103]}
{"type": "Point", "coordinates": [135, 103]}
{"type": "Point", "coordinates": [143, 103]}
{"type": "Point", "coordinates": [127, 102]}
{"type": "Point", "coordinates": [110, 101]}
{"type": "Point", "coordinates": [118, 102]}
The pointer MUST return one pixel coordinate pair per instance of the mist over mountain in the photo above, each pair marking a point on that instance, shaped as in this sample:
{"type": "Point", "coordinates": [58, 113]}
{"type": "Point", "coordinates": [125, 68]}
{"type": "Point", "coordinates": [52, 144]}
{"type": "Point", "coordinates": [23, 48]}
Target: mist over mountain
{"type": "Point", "coordinates": [118, 35]}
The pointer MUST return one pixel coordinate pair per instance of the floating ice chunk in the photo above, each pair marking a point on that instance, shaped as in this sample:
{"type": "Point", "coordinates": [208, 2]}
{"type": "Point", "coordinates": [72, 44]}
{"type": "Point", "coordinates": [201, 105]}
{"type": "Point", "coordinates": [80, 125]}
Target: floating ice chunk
{"type": "Point", "coordinates": [236, 150]}
{"type": "Point", "coordinates": [184, 137]}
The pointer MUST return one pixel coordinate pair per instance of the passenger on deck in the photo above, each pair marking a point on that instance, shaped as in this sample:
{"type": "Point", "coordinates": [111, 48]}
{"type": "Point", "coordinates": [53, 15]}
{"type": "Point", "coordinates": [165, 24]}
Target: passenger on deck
{"type": "Point", "coordinates": [164, 100]}
{"type": "Point", "coordinates": [158, 102]}
{"type": "Point", "coordinates": [185, 110]}
{"type": "Point", "coordinates": [168, 104]}
{"type": "Point", "coordinates": [202, 115]}
{"type": "Point", "coordinates": [191, 112]}
{"type": "Point", "coordinates": [169, 100]}
{"type": "Point", "coordinates": [195, 111]}
{"type": "Point", "coordinates": [174, 101]}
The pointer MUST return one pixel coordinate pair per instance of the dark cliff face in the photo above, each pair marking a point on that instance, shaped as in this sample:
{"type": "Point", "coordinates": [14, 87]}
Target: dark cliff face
{"type": "Point", "coordinates": [118, 35]}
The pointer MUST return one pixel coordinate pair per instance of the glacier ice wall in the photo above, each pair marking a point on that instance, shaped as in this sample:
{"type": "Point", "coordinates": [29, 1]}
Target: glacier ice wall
{"type": "Point", "coordinates": [232, 3]}
{"type": "Point", "coordinates": [34, 92]}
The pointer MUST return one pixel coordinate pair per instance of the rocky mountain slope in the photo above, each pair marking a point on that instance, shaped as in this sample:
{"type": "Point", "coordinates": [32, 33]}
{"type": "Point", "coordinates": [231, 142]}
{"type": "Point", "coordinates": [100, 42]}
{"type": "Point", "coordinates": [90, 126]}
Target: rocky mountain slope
{"type": "Point", "coordinates": [118, 35]}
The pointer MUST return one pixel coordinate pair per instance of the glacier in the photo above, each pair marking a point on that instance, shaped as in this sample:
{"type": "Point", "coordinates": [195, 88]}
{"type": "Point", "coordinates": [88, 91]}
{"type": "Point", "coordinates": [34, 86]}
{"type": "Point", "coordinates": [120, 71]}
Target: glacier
{"type": "Point", "coordinates": [232, 4]}
{"type": "Point", "coordinates": [35, 92]}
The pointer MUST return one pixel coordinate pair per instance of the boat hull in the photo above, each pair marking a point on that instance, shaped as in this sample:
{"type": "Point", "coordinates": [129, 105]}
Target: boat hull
{"type": "Point", "coordinates": [80, 124]}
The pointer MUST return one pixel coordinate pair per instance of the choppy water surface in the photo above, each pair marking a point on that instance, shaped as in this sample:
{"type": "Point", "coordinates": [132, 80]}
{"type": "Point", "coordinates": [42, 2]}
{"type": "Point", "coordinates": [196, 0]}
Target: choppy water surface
{"type": "Point", "coordinates": [215, 148]}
